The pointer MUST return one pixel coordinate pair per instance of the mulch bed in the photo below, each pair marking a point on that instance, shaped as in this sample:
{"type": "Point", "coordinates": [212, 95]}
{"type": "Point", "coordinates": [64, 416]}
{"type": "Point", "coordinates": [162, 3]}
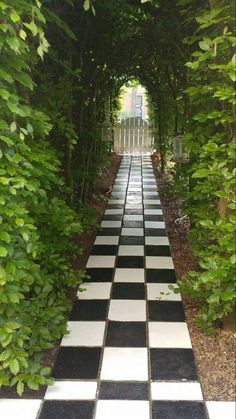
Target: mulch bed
{"type": "Point", "coordinates": [214, 355]}
{"type": "Point", "coordinates": [98, 203]}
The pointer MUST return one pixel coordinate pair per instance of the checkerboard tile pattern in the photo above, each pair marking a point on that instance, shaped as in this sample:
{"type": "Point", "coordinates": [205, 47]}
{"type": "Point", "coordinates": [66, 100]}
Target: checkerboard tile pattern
{"type": "Point", "coordinates": [128, 352]}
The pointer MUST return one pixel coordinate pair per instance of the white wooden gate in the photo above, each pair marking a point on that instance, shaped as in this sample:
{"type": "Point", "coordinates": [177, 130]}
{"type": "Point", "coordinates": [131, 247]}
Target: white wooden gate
{"type": "Point", "coordinates": [133, 135]}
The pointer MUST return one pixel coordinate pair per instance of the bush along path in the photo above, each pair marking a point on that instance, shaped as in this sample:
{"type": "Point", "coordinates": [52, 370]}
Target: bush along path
{"type": "Point", "coordinates": [128, 352]}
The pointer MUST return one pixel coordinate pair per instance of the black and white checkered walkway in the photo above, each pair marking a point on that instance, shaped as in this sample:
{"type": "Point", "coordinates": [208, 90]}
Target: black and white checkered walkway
{"type": "Point", "coordinates": [128, 354]}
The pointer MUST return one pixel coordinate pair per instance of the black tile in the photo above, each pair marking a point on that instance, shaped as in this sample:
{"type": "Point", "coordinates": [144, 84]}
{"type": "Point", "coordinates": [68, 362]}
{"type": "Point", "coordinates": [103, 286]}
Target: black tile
{"type": "Point", "coordinates": [157, 250]}
{"type": "Point", "coordinates": [172, 364]}
{"type": "Point", "coordinates": [132, 224]}
{"type": "Point", "coordinates": [152, 206]}
{"type": "Point", "coordinates": [158, 232]}
{"type": "Point", "coordinates": [123, 391]}
{"type": "Point", "coordinates": [104, 250]}
{"type": "Point", "coordinates": [112, 217]}
{"type": "Point", "coordinates": [151, 197]}
{"type": "Point", "coordinates": [161, 275]}
{"type": "Point", "coordinates": [148, 181]}
{"type": "Point", "coordinates": [166, 311]}
{"type": "Point", "coordinates": [67, 409]}
{"type": "Point", "coordinates": [178, 410]}
{"type": "Point", "coordinates": [131, 240]}
{"type": "Point", "coordinates": [109, 232]}
{"type": "Point", "coordinates": [153, 217]}
{"type": "Point", "coordinates": [130, 262]}
{"type": "Point", "coordinates": [121, 183]}
{"type": "Point", "coordinates": [148, 189]}
{"type": "Point", "coordinates": [128, 291]}
{"type": "Point", "coordinates": [89, 310]}
{"type": "Point", "coordinates": [99, 274]}
{"type": "Point", "coordinates": [77, 362]}
{"type": "Point", "coordinates": [133, 212]}
{"type": "Point", "coordinates": [126, 334]}
{"type": "Point", "coordinates": [115, 206]}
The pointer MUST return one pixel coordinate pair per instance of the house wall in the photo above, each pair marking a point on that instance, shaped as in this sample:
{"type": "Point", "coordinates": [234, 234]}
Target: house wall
{"type": "Point", "coordinates": [130, 107]}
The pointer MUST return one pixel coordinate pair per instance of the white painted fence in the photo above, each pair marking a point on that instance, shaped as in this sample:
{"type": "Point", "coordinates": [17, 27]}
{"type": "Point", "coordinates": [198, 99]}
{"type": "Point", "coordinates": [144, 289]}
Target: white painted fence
{"type": "Point", "coordinates": [133, 135]}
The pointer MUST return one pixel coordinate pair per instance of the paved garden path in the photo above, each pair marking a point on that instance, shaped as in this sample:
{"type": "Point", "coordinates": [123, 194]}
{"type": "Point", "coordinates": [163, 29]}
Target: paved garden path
{"type": "Point", "coordinates": [128, 354]}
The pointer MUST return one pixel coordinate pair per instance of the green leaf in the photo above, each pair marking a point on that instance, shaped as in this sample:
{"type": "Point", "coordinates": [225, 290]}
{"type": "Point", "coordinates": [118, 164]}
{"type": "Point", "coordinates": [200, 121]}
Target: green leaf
{"type": "Point", "coordinates": [20, 388]}
{"type": "Point", "coordinates": [233, 259]}
{"type": "Point", "coordinates": [213, 299]}
{"type": "Point", "coordinates": [14, 16]}
{"type": "Point", "coordinates": [13, 126]}
{"type": "Point", "coordinates": [20, 222]}
{"type": "Point", "coordinates": [13, 297]}
{"type": "Point", "coordinates": [86, 5]}
{"type": "Point", "coordinates": [200, 173]}
{"type": "Point", "coordinates": [4, 180]}
{"type": "Point", "coordinates": [22, 34]}
{"type": "Point", "coordinates": [3, 251]}
{"type": "Point", "coordinates": [232, 75]}
{"type": "Point", "coordinates": [4, 236]}
{"type": "Point", "coordinates": [206, 223]}
{"type": "Point", "coordinates": [204, 45]}
{"type": "Point", "coordinates": [14, 366]}
{"type": "Point", "coordinates": [4, 94]}
{"type": "Point", "coordinates": [227, 296]}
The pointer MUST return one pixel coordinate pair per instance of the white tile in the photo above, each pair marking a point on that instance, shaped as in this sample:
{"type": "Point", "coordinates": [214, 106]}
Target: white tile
{"type": "Point", "coordinates": [125, 364]}
{"type": "Point", "coordinates": [130, 250]}
{"type": "Point", "coordinates": [111, 224]}
{"type": "Point", "coordinates": [157, 241]}
{"type": "Point", "coordinates": [176, 391]}
{"type": "Point", "coordinates": [152, 201]}
{"type": "Point", "coordinates": [71, 390]}
{"type": "Point", "coordinates": [159, 262]}
{"type": "Point", "coordinates": [84, 333]}
{"type": "Point", "coordinates": [101, 261]}
{"type": "Point", "coordinates": [157, 211]}
{"type": "Point", "coordinates": [125, 409]}
{"type": "Point", "coordinates": [19, 409]}
{"type": "Point", "coordinates": [132, 231]}
{"type": "Point", "coordinates": [221, 410]}
{"type": "Point", "coordinates": [127, 310]}
{"type": "Point", "coordinates": [95, 291]}
{"type": "Point", "coordinates": [114, 211]}
{"type": "Point", "coordinates": [116, 201]}
{"type": "Point", "coordinates": [107, 240]}
{"type": "Point", "coordinates": [169, 335]}
{"type": "Point", "coordinates": [152, 187]}
{"type": "Point", "coordinates": [154, 224]}
{"type": "Point", "coordinates": [161, 292]}
{"type": "Point", "coordinates": [129, 275]}
{"type": "Point", "coordinates": [133, 217]}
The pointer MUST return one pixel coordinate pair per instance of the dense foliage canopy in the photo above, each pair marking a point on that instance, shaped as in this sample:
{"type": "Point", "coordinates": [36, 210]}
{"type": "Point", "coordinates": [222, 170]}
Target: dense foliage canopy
{"type": "Point", "coordinates": [61, 70]}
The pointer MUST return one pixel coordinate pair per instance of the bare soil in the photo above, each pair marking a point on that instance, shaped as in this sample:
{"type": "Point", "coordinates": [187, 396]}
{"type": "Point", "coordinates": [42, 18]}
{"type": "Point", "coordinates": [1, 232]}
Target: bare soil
{"type": "Point", "coordinates": [214, 355]}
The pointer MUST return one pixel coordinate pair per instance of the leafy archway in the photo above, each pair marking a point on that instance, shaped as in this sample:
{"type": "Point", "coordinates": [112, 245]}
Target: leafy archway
{"type": "Point", "coordinates": [62, 67]}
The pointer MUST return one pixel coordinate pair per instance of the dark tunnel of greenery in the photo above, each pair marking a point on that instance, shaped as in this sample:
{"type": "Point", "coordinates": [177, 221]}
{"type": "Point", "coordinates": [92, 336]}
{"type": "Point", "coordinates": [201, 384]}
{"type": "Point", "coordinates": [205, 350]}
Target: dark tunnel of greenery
{"type": "Point", "coordinates": [62, 66]}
